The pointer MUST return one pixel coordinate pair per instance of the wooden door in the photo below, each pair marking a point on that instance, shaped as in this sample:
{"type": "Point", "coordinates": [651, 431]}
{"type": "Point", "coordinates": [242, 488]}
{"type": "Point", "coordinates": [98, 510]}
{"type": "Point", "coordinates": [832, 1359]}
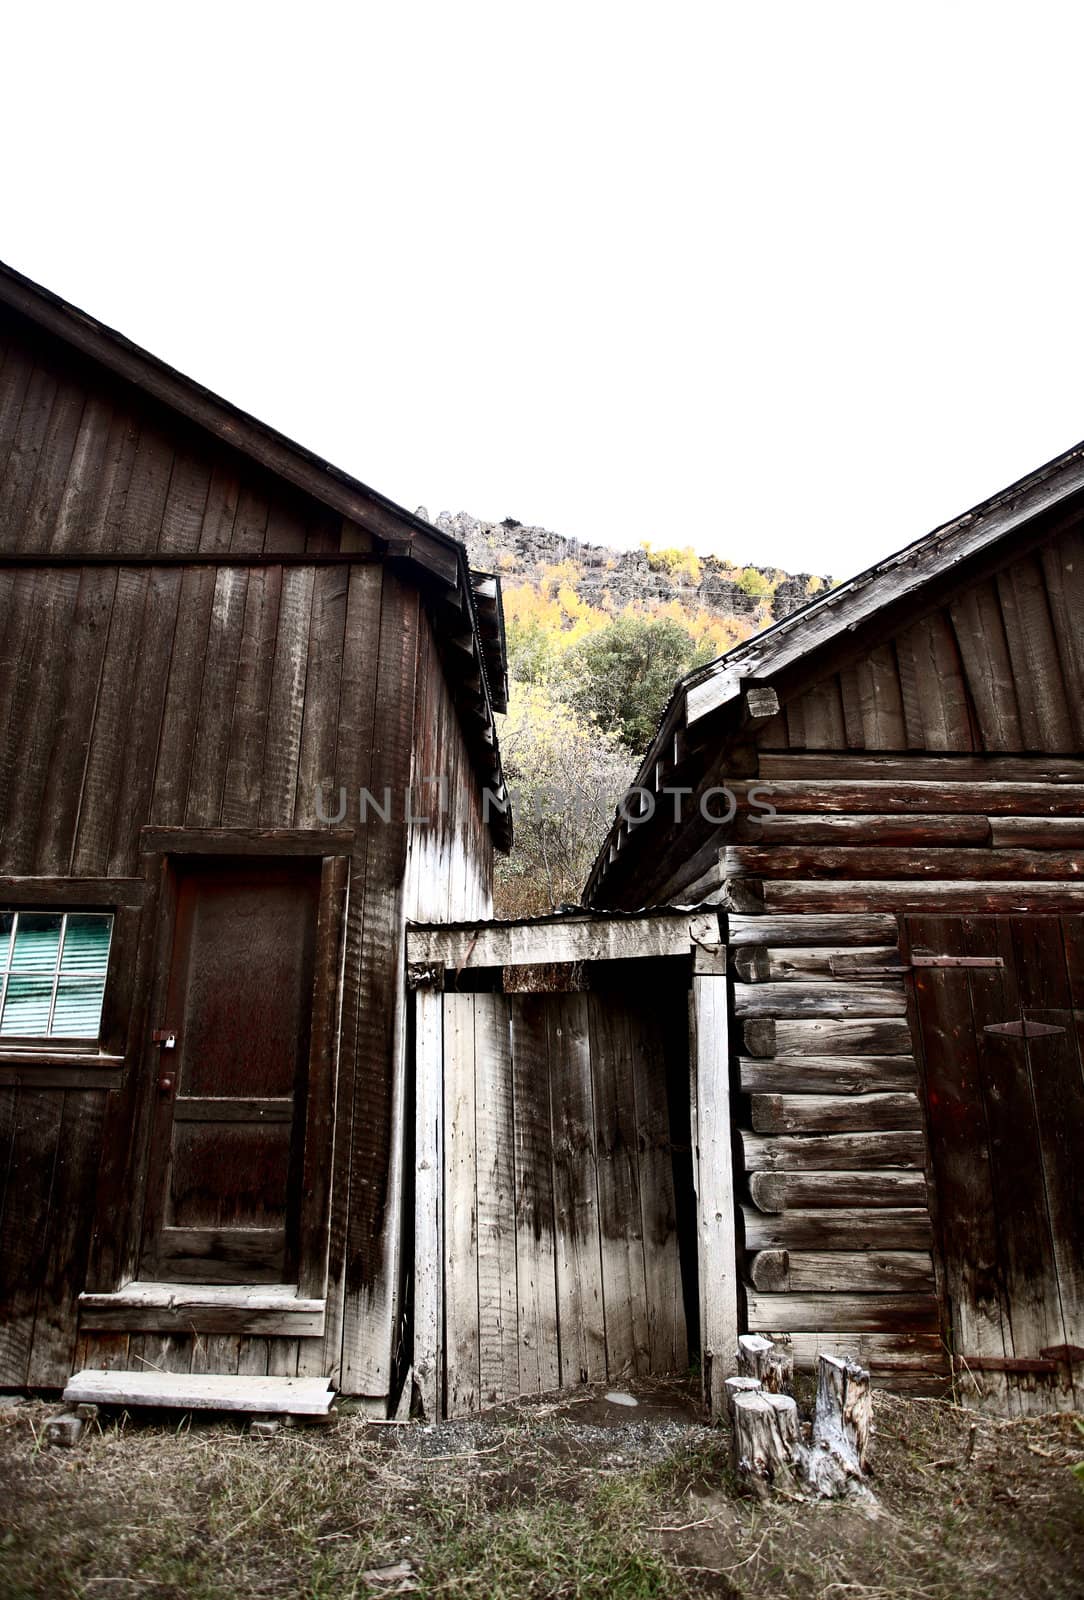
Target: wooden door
{"type": "Point", "coordinates": [1006, 1124]}
{"type": "Point", "coordinates": [563, 1182]}
{"type": "Point", "coordinates": [227, 1145]}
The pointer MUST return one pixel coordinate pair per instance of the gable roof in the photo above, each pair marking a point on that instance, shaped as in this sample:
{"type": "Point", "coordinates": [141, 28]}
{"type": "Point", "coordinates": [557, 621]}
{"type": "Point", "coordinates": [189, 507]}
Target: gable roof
{"type": "Point", "coordinates": [437, 562]}
{"type": "Point", "coordinates": [830, 616]}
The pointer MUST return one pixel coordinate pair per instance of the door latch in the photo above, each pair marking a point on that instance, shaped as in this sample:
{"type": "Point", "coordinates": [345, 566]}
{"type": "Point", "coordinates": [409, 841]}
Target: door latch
{"type": "Point", "coordinates": [164, 1037]}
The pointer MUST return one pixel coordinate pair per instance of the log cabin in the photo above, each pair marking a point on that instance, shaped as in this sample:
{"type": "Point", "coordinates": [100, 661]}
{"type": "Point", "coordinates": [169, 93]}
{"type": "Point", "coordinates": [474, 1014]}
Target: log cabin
{"type": "Point", "coordinates": [883, 797]}
{"type": "Point", "coordinates": [213, 646]}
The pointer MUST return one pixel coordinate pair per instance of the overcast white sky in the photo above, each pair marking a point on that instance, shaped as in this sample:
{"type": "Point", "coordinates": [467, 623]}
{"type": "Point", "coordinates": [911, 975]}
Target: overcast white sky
{"type": "Point", "coordinates": [790, 282]}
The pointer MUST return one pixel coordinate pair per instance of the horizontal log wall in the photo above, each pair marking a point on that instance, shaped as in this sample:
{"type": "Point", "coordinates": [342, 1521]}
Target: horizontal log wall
{"type": "Point", "coordinates": [837, 1232]}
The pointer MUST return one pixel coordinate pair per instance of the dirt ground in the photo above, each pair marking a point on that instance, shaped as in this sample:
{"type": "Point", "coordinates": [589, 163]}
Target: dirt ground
{"type": "Point", "coordinates": [582, 1497]}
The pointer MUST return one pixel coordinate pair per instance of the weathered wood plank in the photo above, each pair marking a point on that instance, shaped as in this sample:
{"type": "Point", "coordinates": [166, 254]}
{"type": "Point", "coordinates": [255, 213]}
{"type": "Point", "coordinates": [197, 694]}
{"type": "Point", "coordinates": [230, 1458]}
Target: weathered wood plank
{"type": "Point", "coordinates": [24, 1225]}
{"type": "Point", "coordinates": [575, 1186]}
{"type": "Point", "coordinates": [1039, 833]}
{"type": "Point", "coordinates": [858, 862]}
{"type": "Point", "coordinates": [461, 1353]}
{"type": "Point", "coordinates": [845, 1228]}
{"type": "Point", "coordinates": [265, 1309]}
{"type": "Point", "coordinates": [1044, 955]}
{"type": "Point", "coordinates": [822, 1113]}
{"type": "Point", "coordinates": [661, 1246]}
{"type": "Point", "coordinates": [357, 718]}
{"type": "Point", "coordinates": [947, 769]}
{"type": "Point", "coordinates": [1044, 716]}
{"type": "Point", "coordinates": [886, 1353]}
{"type": "Point", "coordinates": [910, 895]}
{"type": "Point", "coordinates": [498, 1307]}
{"type": "Point", "coordinates": [242, 841]}
{"type": "Point", "coordinates": [429, 1198]}
{"type": "Point", "coordinates": [614, 1061]}
{"type": "Point", "coordinates": [892, 794]}
{"type": "Point", "coordinates": [319, 1103]}
{"type": "Point", "coordinates": [578, 938]}
{"type": "Point", "coordinates": [831, 1152]}
{"type": "Point", "coordinates": [716, 1232]}
{"type": "Point", "coordinates": [788, 1271]}
{"type": "Point", "coordinates": [1036, 1121]}
{"type": "Point", "coordinates": [980, 636]}
{"type": "Point", "coordinates": [286, 702]}
{"type": "Point", "coordinates": [62, 1265]}
{"type": "Point", "coordinates": [880, 699]}
{"type": "Point", "coordinates": [792, 1192]}
{"type": "Point", "coordinates": [820, 1036]}
{"type": "Point", "coordinates": [960, 1149]}
{"type": "Point", "coordinates": [252, 691]}
{"type": "Point", "coordinates": [780, 1313]}
{"type": "Point", "coordinates": [144, 719]}
{"type": "Point", "coordinates": [828, 1075]}
{"type": "Point", "coordinates": [207, 1391]}
{"type": "Point", "coordinates": [1063, 572]}
{"type": "Point", "coordinates": [320, 727]}
{"type": "Point", "coordinates": [820, 964]}
{"type": "Point", "coordinates": [536, 1273]}
{"type": "Point", "coordinates": [865, 828]}
{"type": "Point", "coordinates": [178, 730]}
{"type": "Point", "coordinates": [826, 999]}
{"type": "Point", "coordinates": [213, 710]}
{"type": "Point", "coordinates": [829, 929]}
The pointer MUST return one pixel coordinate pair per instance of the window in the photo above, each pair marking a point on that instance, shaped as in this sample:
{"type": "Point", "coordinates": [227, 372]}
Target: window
{"type": "Point", "coordinates": [52, 973]}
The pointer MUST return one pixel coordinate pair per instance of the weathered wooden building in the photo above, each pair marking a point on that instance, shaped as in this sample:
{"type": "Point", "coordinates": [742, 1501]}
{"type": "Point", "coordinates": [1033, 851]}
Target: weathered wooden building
{"type": "Point", "coordinates": [274, 1099]}
{"type": "Point", "coordinates": [883, 796]}
{"type": "Point", "coordinates": [211, 642]}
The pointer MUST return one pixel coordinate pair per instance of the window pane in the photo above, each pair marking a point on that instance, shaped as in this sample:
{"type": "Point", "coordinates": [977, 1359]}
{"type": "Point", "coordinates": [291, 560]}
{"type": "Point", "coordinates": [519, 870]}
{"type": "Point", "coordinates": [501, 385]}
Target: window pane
{"type": "Point", "coordinates": [78, 1010]}
{"type": "Point", "coordinates": [37, 940]}
{"type": "Point", "coordinates": [86, 944]}
{"type": "Point", "coordinates": [26, 1005]}
{"type": "Point", "coordinates": [36, 987]}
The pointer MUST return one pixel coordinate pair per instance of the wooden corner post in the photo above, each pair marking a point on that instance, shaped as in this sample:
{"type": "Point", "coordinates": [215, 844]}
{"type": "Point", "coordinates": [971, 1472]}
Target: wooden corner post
{"type": "Point", "coordinates": [429, 1196]}
{"type": "Point", "coordinates": [717, 1260]}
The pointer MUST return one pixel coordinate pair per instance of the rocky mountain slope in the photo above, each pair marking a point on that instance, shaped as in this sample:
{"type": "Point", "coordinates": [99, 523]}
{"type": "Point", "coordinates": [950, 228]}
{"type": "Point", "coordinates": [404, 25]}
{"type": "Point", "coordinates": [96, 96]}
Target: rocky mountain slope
{"type": "Point", "coordinates": [612, 578]}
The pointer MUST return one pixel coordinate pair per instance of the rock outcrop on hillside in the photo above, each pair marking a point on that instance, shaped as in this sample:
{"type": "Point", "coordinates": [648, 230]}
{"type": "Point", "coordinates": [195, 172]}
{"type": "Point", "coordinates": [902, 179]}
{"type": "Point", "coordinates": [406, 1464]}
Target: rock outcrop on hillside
{"type": "Point", "coordinates": [616, 578]}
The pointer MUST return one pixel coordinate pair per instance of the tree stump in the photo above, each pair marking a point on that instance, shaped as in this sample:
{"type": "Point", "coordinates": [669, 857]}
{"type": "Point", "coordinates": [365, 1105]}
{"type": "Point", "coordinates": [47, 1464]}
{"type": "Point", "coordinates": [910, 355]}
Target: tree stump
{"type": "Point", "coordinates": [842, 1425]}
{"type": "Point", "coordinates": [768, 1451]}
{"type": "Point", "coordinates": [736, 1386]}
{"type": "Point", "coordinates": [768, 1360]}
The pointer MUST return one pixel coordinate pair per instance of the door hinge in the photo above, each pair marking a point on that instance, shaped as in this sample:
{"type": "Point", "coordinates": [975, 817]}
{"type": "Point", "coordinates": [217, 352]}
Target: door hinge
{"type": "Point", "coordinates": [1005, 1364]}
{"type": "Point", "coordinates": [1022, 1029]}
{"type": "Point", "coordinates": [1063, 1352]}
{"type": "Point", "coordinates": [957, 961]}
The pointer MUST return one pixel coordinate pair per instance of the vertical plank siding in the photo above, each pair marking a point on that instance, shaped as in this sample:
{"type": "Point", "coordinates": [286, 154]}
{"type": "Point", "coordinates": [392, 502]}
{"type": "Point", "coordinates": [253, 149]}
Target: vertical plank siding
{"type": "Point", "coordinates": [998, 667]}
{"type": "Point", "coordinates": [560, 1251]}
{"type": "Point", "coordinates": [172, 695]}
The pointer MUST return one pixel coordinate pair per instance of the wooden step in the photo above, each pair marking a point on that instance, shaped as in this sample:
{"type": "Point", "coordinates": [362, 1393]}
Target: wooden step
{"type": "Point", "coordinates": [269, 1309]}
{"type": "Point", "coordinates": [207, 1391]}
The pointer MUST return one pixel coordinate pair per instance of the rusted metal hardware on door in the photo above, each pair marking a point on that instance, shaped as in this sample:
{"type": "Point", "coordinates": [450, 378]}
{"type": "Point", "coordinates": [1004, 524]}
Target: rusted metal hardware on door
{"type": "Point", "coordinates": [166, 1037]}
{"type": "Point", "coordinates": [957, 961]}
{"type": "Point", "coordinates": [852, 967]}
{"type": "Point", "coordinates": [1023, 1028]}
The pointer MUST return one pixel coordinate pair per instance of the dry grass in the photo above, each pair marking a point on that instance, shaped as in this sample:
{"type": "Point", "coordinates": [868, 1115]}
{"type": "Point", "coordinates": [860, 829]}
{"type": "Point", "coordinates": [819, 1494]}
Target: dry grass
{"type": "Point", "coordinates": [541, 1501]}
